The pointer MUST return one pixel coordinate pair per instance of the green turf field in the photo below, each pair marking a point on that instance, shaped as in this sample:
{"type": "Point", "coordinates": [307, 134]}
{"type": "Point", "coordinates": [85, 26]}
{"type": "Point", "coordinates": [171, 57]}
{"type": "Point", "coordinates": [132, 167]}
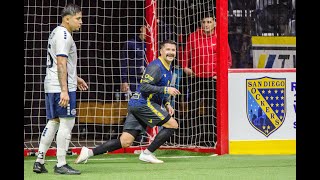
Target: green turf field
{"type": "Point", "coordinates": [177, 165]}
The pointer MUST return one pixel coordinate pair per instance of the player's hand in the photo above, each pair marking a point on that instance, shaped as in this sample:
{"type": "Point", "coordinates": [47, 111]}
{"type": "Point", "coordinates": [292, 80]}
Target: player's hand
{"type": "Point", "coordinates": [125, 87]}
{"type": "Point", "coordinates": [82, 85]}
{"type": "Point", "coordinates": [64, 99]}
{"type": "Point", "coordinates": [188, 71]}
{"type": "Point", "coordinates": [173, 91]}
{"type": "Point", "coordinates": [170, 109]}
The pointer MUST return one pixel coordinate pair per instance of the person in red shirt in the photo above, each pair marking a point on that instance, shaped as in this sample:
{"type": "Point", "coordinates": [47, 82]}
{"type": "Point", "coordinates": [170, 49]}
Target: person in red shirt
{"type": "Point", "coordinates": [199, 62]}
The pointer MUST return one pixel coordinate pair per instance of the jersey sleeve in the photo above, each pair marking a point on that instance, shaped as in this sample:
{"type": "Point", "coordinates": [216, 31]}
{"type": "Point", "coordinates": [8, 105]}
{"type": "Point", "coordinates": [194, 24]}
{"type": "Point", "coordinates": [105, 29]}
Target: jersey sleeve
{"type": "Point", "coordinates": [63, 43]}
{"type": "Point", "coordinates": [124, 61]}
{"type": "Point", "coordinates": [150, 78]}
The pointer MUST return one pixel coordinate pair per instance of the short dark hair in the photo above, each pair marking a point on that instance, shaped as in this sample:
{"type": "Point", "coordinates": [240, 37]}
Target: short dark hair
{"type": "Point", "coordinates": [70, 9]}
{"type": "Point", "coordinates": [168, 41]}
{"type": "Point", "coordinates": [208, 15]}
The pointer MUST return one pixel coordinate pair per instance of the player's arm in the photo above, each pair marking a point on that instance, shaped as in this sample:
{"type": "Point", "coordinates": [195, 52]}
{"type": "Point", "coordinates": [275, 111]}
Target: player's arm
{"type": "Point", "coordinates": [62, 77]}
{"type": "Point", "coordinates": [63, 44]}
{"type": "Point", "coordinates": [186, 56]}
{"type": "Point", "coordinates": [62, 72]}
{"type": "Point", "coordinates": [166, 100]}
{"type": "Point", "coordinates": [82, 85]}
{"type": "Point", "coordinates": [151, 76]}
{"type": "Point", "coordinates": [167, 104]}
{"type": "Point", "coordinates": [124, 61]}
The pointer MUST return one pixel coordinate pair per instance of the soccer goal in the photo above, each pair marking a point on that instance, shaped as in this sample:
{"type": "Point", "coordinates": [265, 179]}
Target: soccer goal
{"type": "Point", "coordinates": [101, 111]}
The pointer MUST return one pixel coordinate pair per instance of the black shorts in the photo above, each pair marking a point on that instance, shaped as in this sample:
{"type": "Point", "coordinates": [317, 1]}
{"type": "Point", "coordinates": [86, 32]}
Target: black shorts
{"type": "Point", "coordinates": [139, 117]}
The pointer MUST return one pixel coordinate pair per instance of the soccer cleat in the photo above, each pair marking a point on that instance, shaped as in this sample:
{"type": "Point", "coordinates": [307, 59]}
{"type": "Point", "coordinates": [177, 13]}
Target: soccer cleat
{"type": "Point", "coordinates": [39, 168]}
{"type": "Point", "coordinates": [83, 156]}
{"type": "Point", "coordinates": [66, 169]}
{"type": "Point", "coordinates": [149, 158]}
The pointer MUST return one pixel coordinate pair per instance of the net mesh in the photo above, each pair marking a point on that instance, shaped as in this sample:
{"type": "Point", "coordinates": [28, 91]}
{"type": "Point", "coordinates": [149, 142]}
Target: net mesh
{"type": "Point", "coordinates": [107, 26]}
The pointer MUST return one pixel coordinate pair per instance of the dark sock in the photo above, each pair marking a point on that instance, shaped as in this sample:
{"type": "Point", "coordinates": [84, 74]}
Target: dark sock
{"type": "Point", "coordinates": [160, 139]}
{"type": "Point", "coordinates": [108, 146]}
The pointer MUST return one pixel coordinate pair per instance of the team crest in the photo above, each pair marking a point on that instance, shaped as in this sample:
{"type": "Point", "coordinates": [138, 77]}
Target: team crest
{"type": "Point", "coordinates": [73, 111]}
{"type": "Point", "coordinates": [266, 103]}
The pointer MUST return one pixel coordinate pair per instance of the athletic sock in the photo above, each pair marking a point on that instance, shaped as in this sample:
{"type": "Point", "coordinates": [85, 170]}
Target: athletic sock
{"type": "Point", "coordinates": [108, 146]}
{"type": "Point", "coordinates": [47, 136]}
{"type": "Point", "coordinates": [160, 139]}
{"type": "Point", "coordinates": [147, 152]}
{"type": "Point", "coordinates": [66, 125]}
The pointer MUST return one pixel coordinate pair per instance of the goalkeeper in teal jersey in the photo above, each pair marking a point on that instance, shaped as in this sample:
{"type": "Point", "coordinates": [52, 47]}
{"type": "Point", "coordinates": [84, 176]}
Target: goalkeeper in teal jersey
{"type": "Point", "coordinates": [144, 109]}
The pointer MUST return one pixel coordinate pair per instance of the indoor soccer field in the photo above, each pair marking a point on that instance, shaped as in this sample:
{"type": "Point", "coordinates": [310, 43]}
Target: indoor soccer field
{"type": "Point", "coordinates": [178, 165]}
{"type": "Point", "coordinates": [236, 109]}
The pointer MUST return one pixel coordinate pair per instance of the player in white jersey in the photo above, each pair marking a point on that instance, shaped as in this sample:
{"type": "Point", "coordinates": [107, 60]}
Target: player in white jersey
{"type": "Point", "coordinates": [60, 44]}
{"type": "Point", "coordinates": [61, 83]}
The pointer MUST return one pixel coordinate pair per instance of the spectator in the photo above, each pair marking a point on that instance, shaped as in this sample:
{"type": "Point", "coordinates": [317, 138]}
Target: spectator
{"type": "Point", "coordinates": [133, 63]}
{"type": "Point", "coordinates": [273, 17]}
{"type": "Point", "coordinates": [199, 61]}
{"type": "Point", "coordinates": [261, 4]}
{"type": "Point", "coordinates": [240, 45]}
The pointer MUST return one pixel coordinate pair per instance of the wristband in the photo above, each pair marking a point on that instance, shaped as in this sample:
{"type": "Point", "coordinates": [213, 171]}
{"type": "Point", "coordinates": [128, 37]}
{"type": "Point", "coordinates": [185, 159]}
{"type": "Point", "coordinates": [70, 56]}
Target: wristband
{"type": "Point", "coordinates": [165, 90]}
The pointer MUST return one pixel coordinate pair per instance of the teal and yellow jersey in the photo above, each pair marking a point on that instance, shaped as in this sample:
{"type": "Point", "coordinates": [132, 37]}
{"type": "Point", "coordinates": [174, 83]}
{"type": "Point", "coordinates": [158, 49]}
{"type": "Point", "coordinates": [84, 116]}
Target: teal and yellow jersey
{"type": "Point", "coordinates": [154, 84]}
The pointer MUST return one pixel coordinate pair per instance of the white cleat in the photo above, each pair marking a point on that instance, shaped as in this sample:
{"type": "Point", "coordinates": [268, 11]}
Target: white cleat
{"type": "Point", "coordinates": [149, 158]}
{"type": "Point", "coordinates": [83, 157]}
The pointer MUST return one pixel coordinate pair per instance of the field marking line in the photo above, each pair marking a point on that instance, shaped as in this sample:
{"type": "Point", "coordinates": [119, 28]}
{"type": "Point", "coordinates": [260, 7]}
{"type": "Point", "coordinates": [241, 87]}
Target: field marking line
{"type": "Point", "coordinates": [111, 159]}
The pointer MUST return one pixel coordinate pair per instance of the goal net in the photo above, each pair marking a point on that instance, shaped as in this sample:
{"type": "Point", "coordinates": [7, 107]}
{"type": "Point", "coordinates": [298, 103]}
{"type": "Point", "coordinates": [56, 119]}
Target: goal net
{"type": "Point", "coordinates": [107, 27]}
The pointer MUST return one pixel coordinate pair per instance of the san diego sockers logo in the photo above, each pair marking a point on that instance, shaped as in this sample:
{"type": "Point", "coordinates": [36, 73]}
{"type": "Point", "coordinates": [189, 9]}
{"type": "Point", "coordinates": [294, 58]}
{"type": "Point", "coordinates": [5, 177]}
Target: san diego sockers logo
{"type": "Point", "coordinates": [266, 103]}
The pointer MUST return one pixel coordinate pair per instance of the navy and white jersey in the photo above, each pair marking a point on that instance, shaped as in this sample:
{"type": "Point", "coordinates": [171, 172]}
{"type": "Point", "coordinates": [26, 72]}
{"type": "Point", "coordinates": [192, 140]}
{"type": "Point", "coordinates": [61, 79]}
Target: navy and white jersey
{"type": "Point", "coordinates": [60, 43]}
{"type": "Point", "coordinates": [153, 84]}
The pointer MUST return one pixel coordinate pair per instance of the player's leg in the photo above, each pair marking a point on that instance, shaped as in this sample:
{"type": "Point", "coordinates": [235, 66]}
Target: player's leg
{"type": "Point", "coordinates": [68, 140]}
{"type": "Point", "coordinates": [47, 134]}
{"type": "Point", "coordinates": [46, 139]}
{"type": "Point", "coordinates": [125, 140]}
{"type": "Point", "coordinates": [164, 135]}
{"type": "Point", "coordinates": [153, 115]}
{"type": "Point", "coordinates": [131, 130]}
{"type": "Point", "coordinates": [66, 125]}
{"type": "Point", "coordinates": [214, 109]}
{"type": "Point", "coordinates": [207, 120]}
{"type": "Point", "coordinates": [67, 120]}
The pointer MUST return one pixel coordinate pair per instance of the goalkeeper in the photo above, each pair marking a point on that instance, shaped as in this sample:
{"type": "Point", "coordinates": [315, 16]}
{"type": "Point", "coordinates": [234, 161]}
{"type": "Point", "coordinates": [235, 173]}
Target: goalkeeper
{"type": "Point", "coordinates": [144, 109]}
